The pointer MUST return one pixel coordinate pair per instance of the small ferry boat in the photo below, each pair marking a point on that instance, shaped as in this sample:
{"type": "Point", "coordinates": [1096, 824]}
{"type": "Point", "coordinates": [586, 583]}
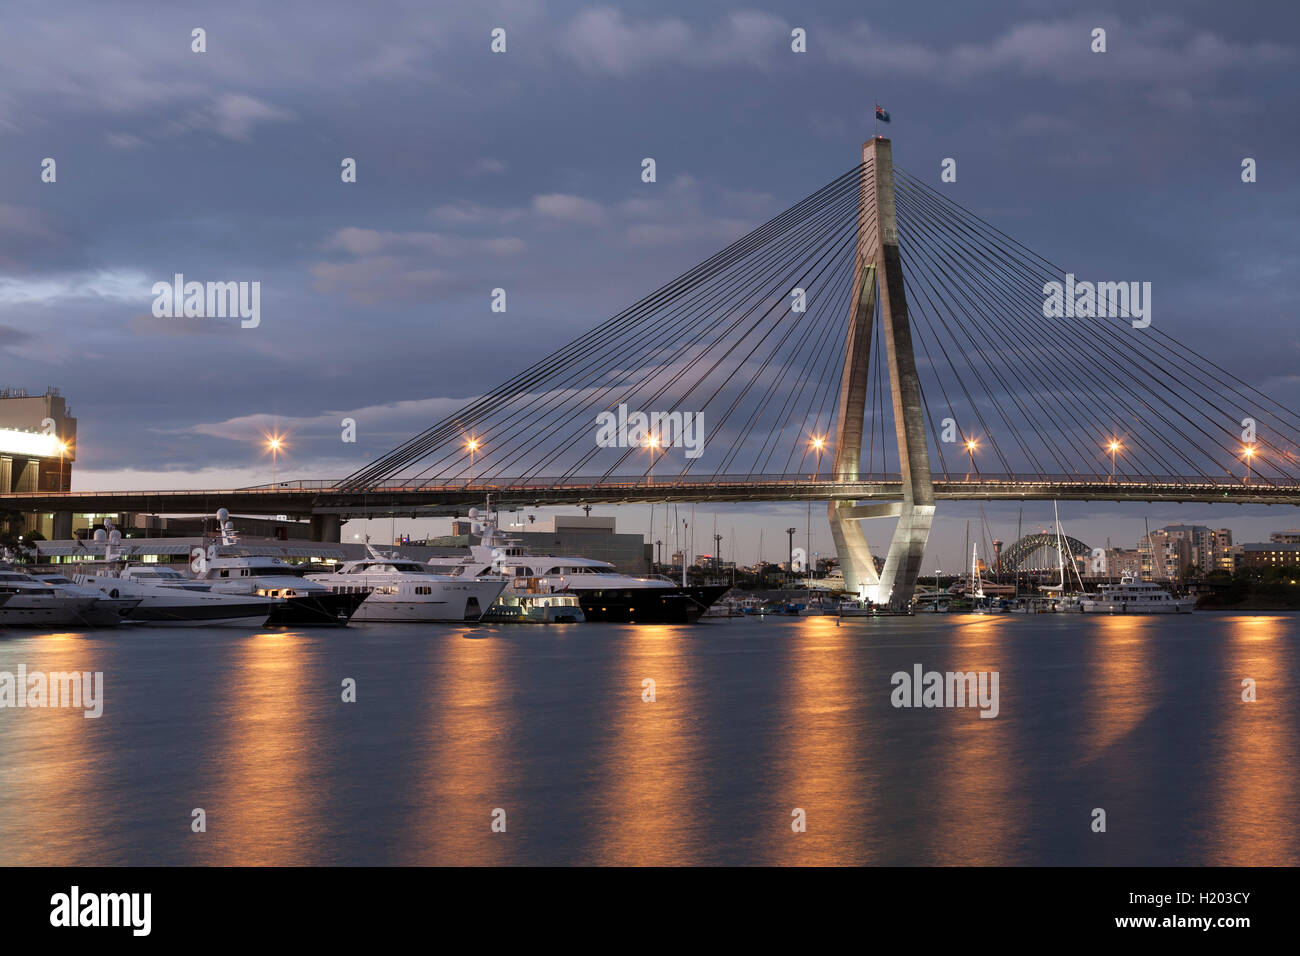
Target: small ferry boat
{"type": "Point", "coordinates": [1132, 596]}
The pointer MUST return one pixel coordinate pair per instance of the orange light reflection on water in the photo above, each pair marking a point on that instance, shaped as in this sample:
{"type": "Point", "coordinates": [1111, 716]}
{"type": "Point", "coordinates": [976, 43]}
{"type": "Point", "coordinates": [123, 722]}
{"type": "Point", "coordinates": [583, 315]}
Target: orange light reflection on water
{"type": "Point", "coordinates": [649, 813]}
{"type": "Point", "coordinates": [1118, 695]}
{"type": "Point", "coordinates": [53, 769]}
{"type": "Point", "coordinates": [816, 764]}
{"type": "Point", "coordinates": [1257, 750]}
{"type": "Point", "coordinates": [262, 807]}
{"type": "Point", "coordinates": [976, 795]}
{"type": "Point", "coordinates": [463, 773]}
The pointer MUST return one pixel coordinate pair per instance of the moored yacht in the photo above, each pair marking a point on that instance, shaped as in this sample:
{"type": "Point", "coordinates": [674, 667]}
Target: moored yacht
{"type": "Point", "coordinates": [602, 592]}
{"type": "Point", "coordinates": [164, 596]}
{"type": "Point", "coordinates": [34, 603]}
{"type": "Point", "coordinates": [1132, 596]}
{"type": "Point", "coordinates": [403, 590]}
{"type": "Point", "coordinates": [300, 601]}
{"type": "Point", "coordinates": [104, 612]}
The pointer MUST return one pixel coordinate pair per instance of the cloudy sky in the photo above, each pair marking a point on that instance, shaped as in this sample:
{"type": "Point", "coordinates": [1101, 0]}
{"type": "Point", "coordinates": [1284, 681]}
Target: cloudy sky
{"type": "Point", "coordinates": [522, 170]}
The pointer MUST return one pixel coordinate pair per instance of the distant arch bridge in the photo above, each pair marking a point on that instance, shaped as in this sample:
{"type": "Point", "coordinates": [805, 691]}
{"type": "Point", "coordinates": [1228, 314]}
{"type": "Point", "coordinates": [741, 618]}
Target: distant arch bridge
{"type": "Point", "coordinates": [1014, 557]}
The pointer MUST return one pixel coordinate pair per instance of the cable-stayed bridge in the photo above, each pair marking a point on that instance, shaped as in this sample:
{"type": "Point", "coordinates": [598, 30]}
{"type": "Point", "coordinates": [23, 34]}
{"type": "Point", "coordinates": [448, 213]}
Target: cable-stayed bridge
{"type": "Point", "coordinates": [875, 346]}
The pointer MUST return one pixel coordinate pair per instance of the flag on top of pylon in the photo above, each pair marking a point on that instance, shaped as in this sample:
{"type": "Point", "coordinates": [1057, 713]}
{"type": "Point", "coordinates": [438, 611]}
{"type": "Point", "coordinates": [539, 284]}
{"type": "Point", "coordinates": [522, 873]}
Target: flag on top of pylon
{"type": "Point", "coordinates": [881, 114]}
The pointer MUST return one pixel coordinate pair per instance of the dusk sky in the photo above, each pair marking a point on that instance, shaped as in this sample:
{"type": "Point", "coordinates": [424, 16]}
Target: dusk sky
{"type": "Point", "coordinates": [522, 170]}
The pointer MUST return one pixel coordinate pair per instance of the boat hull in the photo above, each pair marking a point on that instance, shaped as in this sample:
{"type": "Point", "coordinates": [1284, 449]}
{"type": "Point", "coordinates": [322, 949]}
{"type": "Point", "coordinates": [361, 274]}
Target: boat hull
{"type": "Point", "coordinates": [326, 609]}
{"type": "Point", "coordinates": [213, 614]}
{"type": "Point", "coordinates": [675, 605]}
{"type": "Point", "coordinates": [107, 612]}
{"type": "Point", "coordinates": [447, 604]}
{"type": "Point", "coordinates": [23, 612]}
{"type": "Point", "coordinates": [1122, 607]}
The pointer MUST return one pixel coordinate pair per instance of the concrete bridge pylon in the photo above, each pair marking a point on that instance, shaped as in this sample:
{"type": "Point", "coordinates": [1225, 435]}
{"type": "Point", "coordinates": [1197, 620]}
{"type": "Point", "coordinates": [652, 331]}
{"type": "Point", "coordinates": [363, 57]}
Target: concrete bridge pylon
{"type": "Point", "coordinates": [878, 276]}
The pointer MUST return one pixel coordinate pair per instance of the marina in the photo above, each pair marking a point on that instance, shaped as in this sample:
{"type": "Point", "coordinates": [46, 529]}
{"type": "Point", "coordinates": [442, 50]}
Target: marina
{"type": "Point", "coordinates": [652, 450]}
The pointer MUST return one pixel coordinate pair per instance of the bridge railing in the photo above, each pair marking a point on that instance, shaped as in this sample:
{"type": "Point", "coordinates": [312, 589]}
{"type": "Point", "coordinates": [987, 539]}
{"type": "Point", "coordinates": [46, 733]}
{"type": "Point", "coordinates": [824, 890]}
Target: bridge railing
{"type": "Point", "coordinates": [641, 482]}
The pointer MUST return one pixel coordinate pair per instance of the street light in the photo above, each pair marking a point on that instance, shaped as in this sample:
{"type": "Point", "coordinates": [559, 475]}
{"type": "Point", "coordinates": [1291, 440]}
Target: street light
{"type": "Point", "coordinates": [274, 442]}
{"type": "Point", "coordinates": [818, 442]}
{"type": "Point", "coordinates": [1247, 453]}
{"type": "Point", "coordinates": [971, 445]}
{"type": "Point", "coordinates": [64, 448]}
{"type": "Point", "coordinates": [652, 443]}
{"type": "Point", "coordinates": [472, 445]}
{"type": "Point", "coordinates": [1114, 446]}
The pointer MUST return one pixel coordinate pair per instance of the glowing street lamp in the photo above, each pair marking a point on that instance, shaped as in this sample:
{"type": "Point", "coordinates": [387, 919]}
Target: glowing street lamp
{"type": "Point", "coordinates": [1247, 453]}
{"type": "Point", "coordinates": [274, 443]}
{"type": "Point", "coordinates": [471, 445]}
{"type": "Point", "coordinates": [652, 443]}
{"type": "Point", "coordinates": [971, 445]}
{"type": "Point", "coordinates": [64, 448]}
{"type": "Point", "coordinates": [818, 442]}
{"type": "Point", "coordinates": [1113, 447]}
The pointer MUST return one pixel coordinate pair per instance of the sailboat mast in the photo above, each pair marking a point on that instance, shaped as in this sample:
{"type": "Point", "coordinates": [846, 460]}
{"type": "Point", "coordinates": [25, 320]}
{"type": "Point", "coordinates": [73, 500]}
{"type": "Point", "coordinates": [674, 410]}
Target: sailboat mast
{"type": "Point", "coordinates": [1060, 558]}
{"type": "Point", "coordinates": [1020, 518]}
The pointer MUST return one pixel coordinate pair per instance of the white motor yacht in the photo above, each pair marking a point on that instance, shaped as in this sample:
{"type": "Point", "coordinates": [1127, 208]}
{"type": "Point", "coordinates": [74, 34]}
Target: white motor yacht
{"type": "Point", "coordinates": [405, 590]}
{"type": "Point", "coordinates": [105, 612]}
{"type": "Point", "coordinates": [549, 587]}
{"type": "Point", "coordinates": [1132, 596]}
{"type": "Point", "coordinates": [300, 601]}
{"type": "Point", "coordinates": [164, 596]}
{"type": "Point", "coordinates": [34, 603]}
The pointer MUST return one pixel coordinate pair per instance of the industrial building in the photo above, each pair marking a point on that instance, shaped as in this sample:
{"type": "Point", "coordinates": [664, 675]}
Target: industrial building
{"type": "Point", "coordinates": [584, 537]}
{"type": "Point", "coordinates": [38, 441]}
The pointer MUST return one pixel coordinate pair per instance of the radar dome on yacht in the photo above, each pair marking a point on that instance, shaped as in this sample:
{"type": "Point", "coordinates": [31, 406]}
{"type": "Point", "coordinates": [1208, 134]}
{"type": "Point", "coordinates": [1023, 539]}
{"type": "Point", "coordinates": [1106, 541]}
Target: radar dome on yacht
{"type": "Point", "coordinates": [100, 536]}
{"type": "Point", "coordinates": [222, 515]}
{"type": "Point", "coordinates": [473, 514]}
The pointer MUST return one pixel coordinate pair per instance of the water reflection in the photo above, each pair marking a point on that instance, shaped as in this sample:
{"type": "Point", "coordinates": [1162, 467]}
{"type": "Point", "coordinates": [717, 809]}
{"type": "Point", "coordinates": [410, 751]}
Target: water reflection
{"type": "Point", "coordinates": [818, 765]}
{"type": "Point", "coordinates": [1255, 750]}
{"type": "Point", "coordinates": [54, 765]}
{"type": "Point", "coordinates": [1118, 693]}
{"type": "Point", "coordinates": [646, 807]}
{"type": "Point", "coordinates": [262, 805]}
{"type": "Point", "coordinates": [1140, 715]}
{"type": "Point", "coordinates": [463, 774]}
{"type": "Point", "coordinates": [977, 800]}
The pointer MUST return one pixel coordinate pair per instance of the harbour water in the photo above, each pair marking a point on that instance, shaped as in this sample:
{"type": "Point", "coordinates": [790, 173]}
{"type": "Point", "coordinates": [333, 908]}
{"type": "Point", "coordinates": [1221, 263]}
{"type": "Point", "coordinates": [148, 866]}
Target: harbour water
{"type": "Point", "coordinates": [751, 721]}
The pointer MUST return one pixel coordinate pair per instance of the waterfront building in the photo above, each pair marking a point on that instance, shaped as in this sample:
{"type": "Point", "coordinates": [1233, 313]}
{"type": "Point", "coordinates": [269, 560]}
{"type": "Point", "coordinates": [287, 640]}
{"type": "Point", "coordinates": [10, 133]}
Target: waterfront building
{"type": "Point", "coordinates": [580, 536]}
{"type": "Point", "coordinates": [1270, 555]}
{"type": "Point", "coordinates": [1207, 548]}
{"type": "Point", "coordinates": [1164, 557]}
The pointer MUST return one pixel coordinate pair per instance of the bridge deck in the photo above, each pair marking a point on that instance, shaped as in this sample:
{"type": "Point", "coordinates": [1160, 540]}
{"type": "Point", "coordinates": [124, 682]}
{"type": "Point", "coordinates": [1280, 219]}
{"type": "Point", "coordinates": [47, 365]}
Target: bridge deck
{"type": "Point", "coordinates": [303, 498]}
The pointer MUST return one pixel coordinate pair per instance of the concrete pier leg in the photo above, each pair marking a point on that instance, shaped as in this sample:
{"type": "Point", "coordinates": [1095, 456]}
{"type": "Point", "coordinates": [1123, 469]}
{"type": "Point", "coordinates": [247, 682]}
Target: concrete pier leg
{"type": "Point", "coordinates": [850, 540]}
{"type": "Point", "coordinates": [326, 528]}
